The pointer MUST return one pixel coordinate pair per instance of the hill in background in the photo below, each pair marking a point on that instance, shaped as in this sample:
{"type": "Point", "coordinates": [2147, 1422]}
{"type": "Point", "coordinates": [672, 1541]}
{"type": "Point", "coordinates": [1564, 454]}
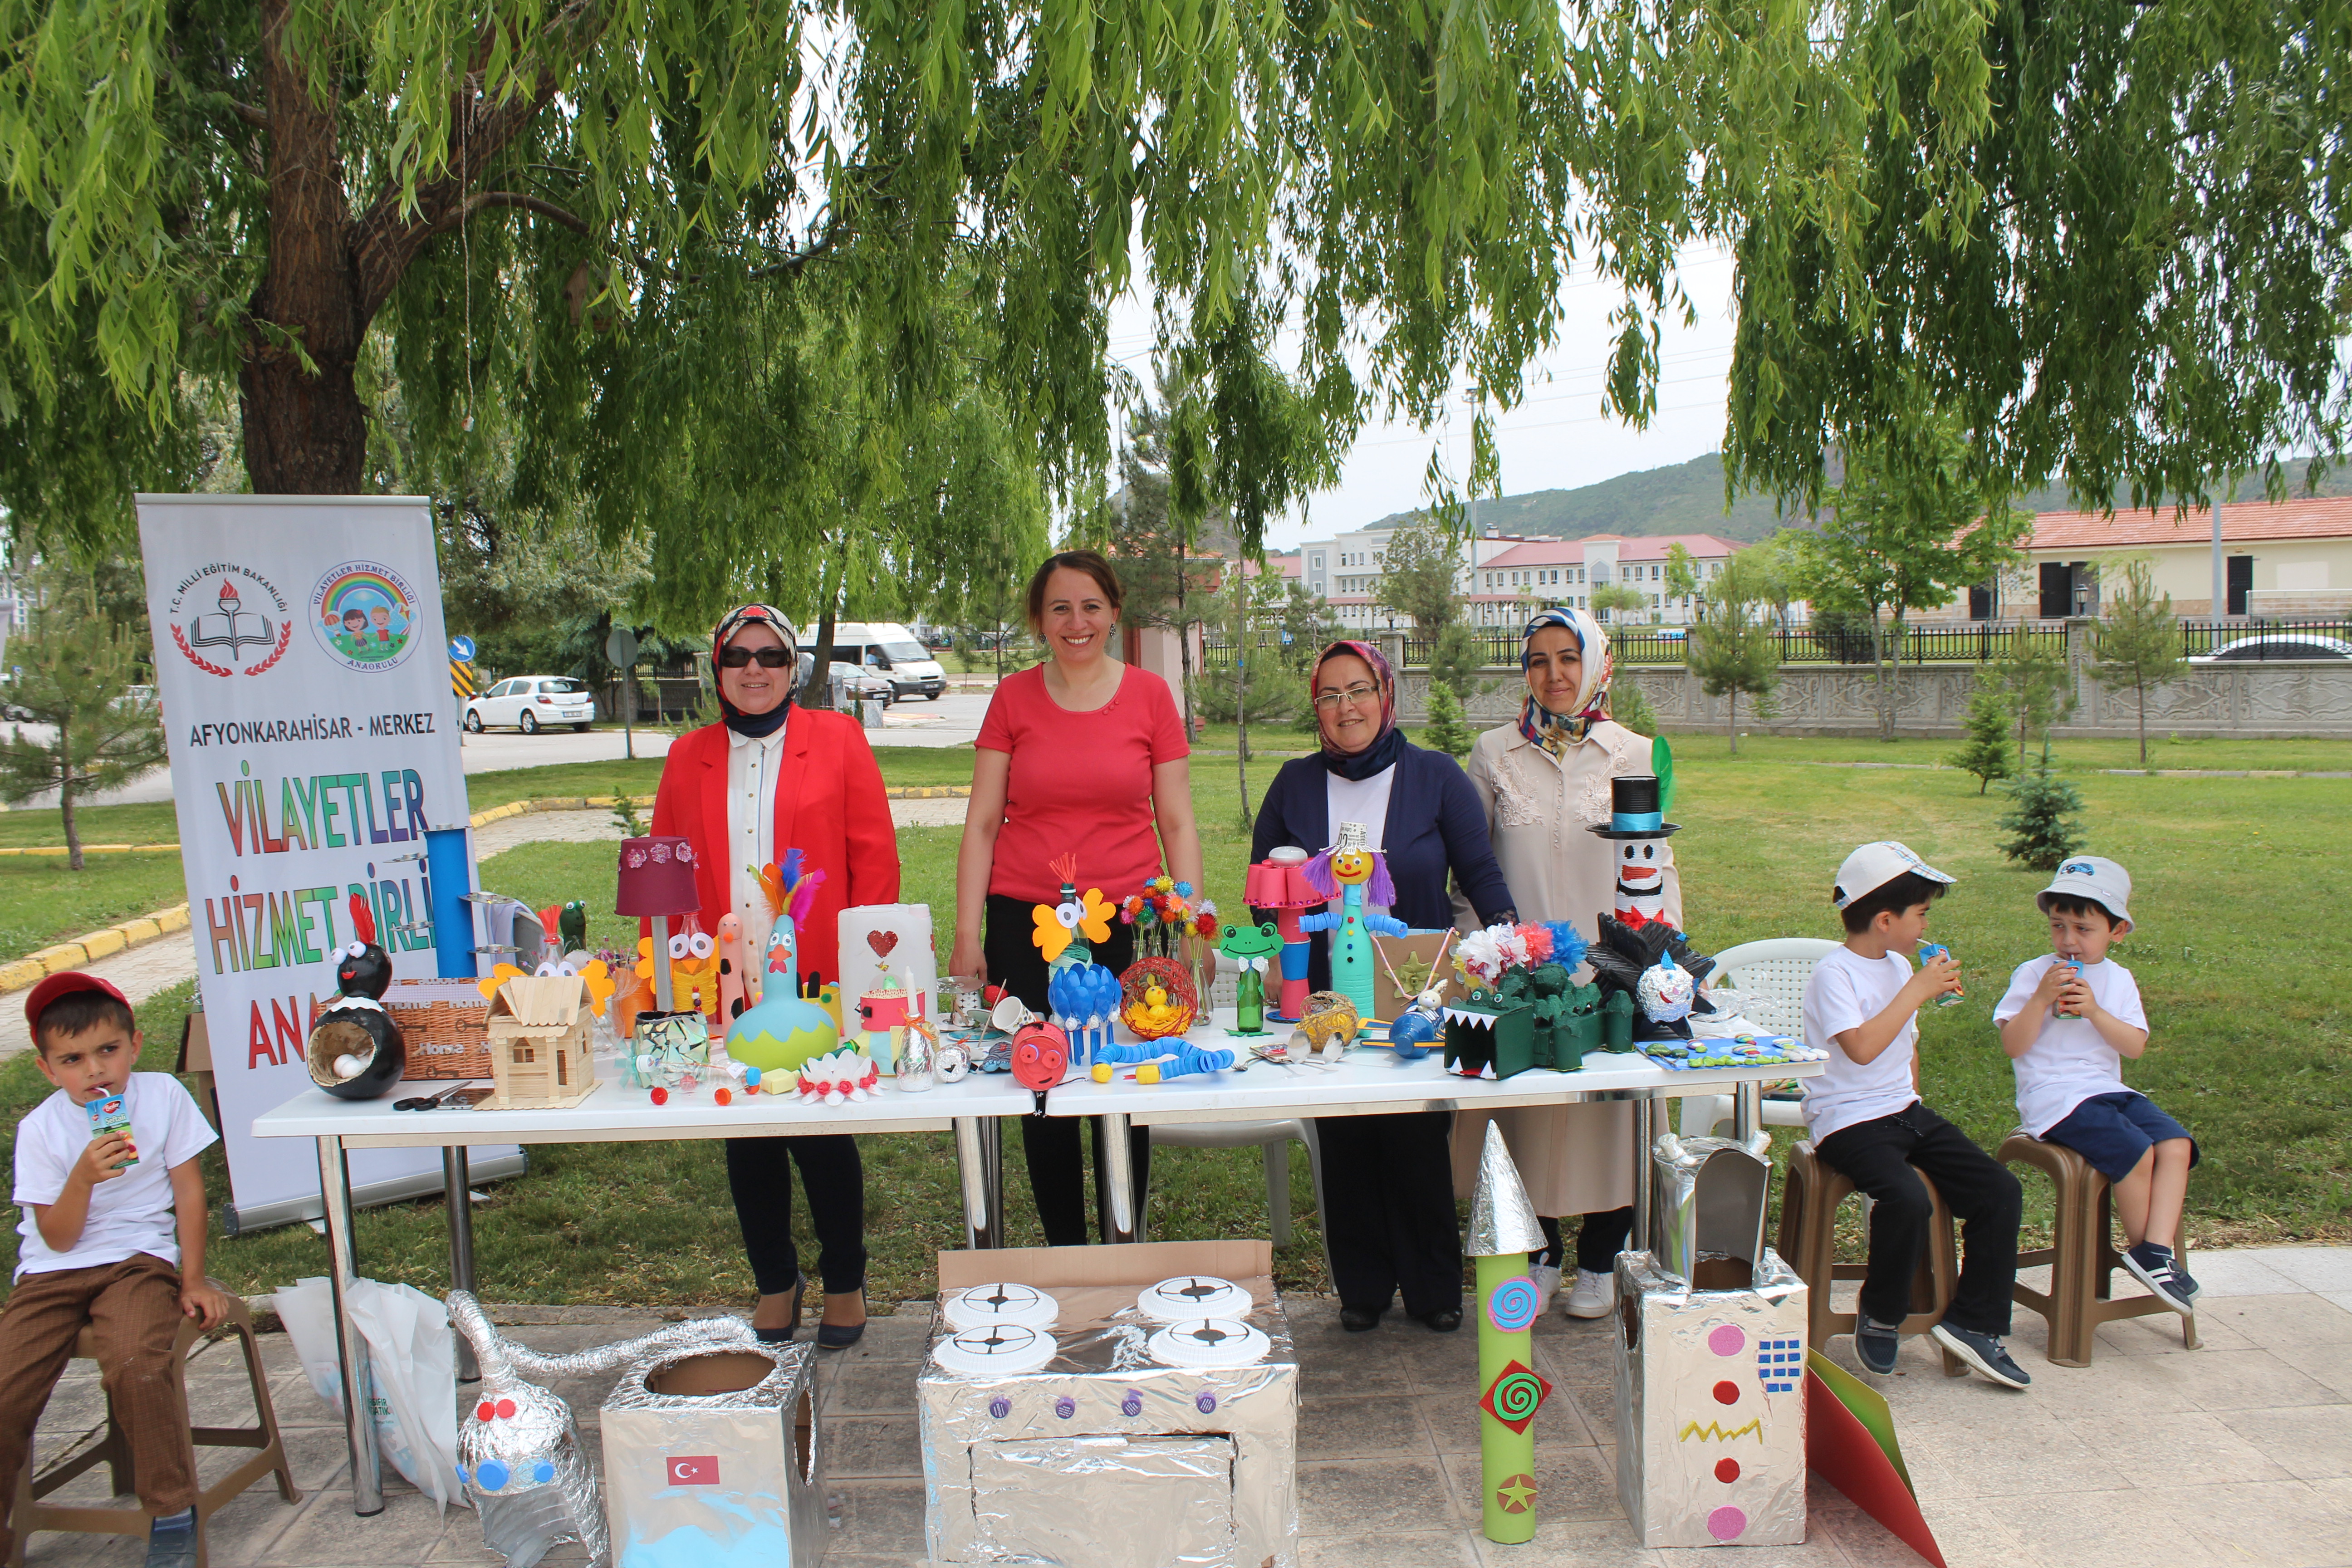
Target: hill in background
{"type": "Point", "coordinates": [1688, 498]}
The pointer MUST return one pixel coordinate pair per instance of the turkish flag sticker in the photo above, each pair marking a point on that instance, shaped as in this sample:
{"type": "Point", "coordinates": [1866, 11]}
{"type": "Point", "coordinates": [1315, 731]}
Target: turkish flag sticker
{"type": "Point", "coordinates": [694, 1471]}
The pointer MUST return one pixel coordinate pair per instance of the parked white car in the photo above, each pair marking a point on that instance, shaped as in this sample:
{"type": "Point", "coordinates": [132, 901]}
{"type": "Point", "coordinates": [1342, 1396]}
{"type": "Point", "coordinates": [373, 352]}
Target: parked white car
{"type": "Point", "coordinates": [531, 703]}
{"type": "Point", "coordinates": [2275, 645]}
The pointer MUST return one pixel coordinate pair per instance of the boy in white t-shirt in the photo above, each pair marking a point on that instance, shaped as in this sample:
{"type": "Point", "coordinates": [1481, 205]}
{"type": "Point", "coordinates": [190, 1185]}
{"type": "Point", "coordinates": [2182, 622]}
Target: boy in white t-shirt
{"type": "Point", "coordinates": [1866, 1121]}
{"type": "Point", "coordinates": [2069, 1017]}
{"type": "Point", "coordinates": [112, 1240]}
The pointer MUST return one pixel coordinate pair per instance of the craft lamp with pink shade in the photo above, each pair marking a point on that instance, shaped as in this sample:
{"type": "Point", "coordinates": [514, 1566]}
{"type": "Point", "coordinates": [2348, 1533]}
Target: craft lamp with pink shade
{"type": "Point", "coordinates": [1279, 883]}
{"type": "Point", "coordinates": [657, 882]}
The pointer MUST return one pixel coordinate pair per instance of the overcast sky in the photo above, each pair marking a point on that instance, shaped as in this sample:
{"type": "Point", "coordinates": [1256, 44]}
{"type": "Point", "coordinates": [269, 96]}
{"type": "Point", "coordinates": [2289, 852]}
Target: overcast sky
{"type": "Point", "coordinates": [1557, 439]}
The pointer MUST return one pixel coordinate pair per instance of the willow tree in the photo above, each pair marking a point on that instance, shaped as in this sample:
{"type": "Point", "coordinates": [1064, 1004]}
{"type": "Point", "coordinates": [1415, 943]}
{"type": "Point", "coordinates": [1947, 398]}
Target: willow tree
{"type": "Point", "coordinates": [591, 216]}
{"type": "Point", "coordinates": [2112, 237]}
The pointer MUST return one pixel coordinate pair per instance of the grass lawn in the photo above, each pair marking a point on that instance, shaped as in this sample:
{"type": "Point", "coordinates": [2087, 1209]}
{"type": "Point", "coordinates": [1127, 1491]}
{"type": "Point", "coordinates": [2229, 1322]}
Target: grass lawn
{"type": "Point", "coordinates": [2249, 1045]}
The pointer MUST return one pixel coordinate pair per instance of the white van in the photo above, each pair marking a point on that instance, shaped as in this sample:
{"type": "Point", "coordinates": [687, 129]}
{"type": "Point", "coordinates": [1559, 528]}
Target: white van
{"type": "Point", "coordinates": [889, 650]}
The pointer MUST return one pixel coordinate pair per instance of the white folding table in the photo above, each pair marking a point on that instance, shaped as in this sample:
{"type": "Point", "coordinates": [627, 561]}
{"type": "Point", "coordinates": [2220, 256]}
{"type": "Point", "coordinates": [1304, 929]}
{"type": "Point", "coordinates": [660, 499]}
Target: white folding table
{"type": "Point", "coordinates": [970, 1108]}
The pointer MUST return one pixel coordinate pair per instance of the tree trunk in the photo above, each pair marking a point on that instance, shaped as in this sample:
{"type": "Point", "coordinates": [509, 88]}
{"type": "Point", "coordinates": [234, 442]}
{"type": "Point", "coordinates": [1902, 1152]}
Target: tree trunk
{"type": "Point", "coordinates": [65, 805]}
{"type": "Point", "coordinates": [821, 651]}
{"type": "Point", "coordinates": [1732, 729]}
{"type": "Point", "coordinates": [1241, 705]}
{"type": "Point", "coordinates": [2143, 724]}
{"type": "Point", "coordinates": [305, 429]}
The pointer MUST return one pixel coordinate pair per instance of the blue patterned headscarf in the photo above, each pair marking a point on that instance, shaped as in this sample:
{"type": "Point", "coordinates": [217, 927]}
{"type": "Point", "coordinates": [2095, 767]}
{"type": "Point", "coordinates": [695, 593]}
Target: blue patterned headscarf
{"type": "Point", "coordinates": [1556, 732]}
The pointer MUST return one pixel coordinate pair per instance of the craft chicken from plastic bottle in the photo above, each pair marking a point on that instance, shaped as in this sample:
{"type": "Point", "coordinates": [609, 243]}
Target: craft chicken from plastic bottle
{"type": "Point", "coordinates": [1355, 876]}
{"type": "Point", "coordinates": [785, 1029]}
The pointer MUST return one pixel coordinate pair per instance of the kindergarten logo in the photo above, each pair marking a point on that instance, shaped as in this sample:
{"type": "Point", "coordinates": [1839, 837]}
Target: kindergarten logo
{"type": "Point", "coordinates": [229, 618]}
{"type": "Point", "coordinates": [365, 615]}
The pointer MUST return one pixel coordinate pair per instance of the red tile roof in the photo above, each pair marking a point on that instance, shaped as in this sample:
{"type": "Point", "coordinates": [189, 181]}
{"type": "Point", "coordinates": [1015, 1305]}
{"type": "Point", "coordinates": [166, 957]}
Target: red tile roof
{"type": "Point", "coordinates": [2321, 517]}
{"type": "Point", "coordinates": [1570, 552]}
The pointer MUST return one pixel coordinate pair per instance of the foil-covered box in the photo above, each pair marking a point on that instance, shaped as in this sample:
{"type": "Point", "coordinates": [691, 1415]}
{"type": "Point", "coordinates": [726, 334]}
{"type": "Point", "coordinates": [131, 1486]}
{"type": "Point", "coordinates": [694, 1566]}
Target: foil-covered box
{"type": "Point", "coordinates": [713, 1457]}
{"type": "Point", "coordinates": [1107, 1455]}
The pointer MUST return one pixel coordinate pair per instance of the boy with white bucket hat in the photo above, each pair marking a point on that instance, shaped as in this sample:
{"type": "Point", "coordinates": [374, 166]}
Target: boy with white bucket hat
{"type": "Point", "coordinates": [1866, 1121]}
{"type": "Point", "coordinates": [2069, 1018]}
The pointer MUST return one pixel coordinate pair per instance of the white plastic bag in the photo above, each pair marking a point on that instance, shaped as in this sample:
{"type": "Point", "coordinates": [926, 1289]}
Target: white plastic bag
{"type": "Point", "coordinates": [412, 1365]}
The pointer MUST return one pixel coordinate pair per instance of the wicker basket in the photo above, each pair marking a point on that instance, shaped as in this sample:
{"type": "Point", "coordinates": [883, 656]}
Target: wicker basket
{"type": "Point", "coordinates": [445, 1025]}
{"type": "Point", "coordinates": [1172, 977]}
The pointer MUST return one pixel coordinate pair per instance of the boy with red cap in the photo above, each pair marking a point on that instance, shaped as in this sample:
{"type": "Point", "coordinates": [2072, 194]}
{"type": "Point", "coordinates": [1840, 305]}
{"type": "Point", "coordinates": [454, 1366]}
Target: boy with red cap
{"type": "Point", "coordinates": [112, 1240]}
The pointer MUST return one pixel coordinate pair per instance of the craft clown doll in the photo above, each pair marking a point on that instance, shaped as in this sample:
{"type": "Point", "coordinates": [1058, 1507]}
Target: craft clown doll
{"type": "Point", "coordinates": [1639, 836]}
{"type": "Point", "coordinates": [1355, 876]}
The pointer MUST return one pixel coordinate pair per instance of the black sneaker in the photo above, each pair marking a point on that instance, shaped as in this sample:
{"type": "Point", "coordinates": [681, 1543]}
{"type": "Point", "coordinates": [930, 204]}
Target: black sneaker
{"type": "Point", "coordinates": [2153, 1266]}
{"type": "Point", "coordinates": [1876, 1344]}
{"type": "Point", "coordinates": [1985, 1353]}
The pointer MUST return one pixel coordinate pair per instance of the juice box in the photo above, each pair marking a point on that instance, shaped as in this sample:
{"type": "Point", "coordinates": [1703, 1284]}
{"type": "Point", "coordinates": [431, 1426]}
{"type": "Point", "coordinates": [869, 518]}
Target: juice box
{"type": "Point", "coordinates": [110, 1113]}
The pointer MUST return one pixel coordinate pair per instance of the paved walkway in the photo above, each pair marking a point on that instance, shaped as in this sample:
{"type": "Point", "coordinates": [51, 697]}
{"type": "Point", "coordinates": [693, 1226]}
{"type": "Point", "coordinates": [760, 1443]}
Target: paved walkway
{"type": "Point", "coordinates": [2155, 1456]}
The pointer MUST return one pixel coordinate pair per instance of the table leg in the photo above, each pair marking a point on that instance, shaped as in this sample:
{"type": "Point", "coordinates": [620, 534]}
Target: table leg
{"type": "Point", "coordinates": [1115, 1170]}
{"type": "Point", "coordinates": [979, 1163]}
{"type": "Point", "coordinates": [335, 1189]}
{"type": "Point", "coordinates": [1645, 1135]}
{"type": "Point", "coordinates": [1747, 1110]}
{"type": "Point", "coordinates": [460, 1205]}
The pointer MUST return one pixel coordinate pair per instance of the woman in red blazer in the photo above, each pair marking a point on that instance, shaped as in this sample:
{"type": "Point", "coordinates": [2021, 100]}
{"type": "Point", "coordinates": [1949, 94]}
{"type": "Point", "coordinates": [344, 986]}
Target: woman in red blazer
{"type": "Point", "coordinates": [772, 777]}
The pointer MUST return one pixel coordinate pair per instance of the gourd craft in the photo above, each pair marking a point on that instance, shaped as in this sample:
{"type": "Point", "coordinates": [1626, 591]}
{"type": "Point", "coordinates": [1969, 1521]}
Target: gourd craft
{"type": "Point", "coordinates": [1354, 875]}
{"type": "Point", "coordinates": [355, 1050]}
{"type": "Point", "coordinates": [785, 1029]}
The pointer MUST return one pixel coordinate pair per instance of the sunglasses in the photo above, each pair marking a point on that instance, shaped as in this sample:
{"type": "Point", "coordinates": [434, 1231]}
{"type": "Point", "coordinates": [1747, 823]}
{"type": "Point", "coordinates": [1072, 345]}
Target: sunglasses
{"type": "Point", "coordinates": [769, 658]}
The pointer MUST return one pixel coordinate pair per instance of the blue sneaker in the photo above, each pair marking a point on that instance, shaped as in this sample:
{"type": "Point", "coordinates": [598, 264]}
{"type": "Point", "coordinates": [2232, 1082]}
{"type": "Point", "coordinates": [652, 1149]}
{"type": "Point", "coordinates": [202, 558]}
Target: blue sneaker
{"type": "Point", "coordinates": [171, 1540]}
{"type": "Point", "coordinates": [1876, 1344]}
{"type": "Point", "coordinates": [1985, 1353]}
{"type": "Point", "coordinates": [2153, 1266]}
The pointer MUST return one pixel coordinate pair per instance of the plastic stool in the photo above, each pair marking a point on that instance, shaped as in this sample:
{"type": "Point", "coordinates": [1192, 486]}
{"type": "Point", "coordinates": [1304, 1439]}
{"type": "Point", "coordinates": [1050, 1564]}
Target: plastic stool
{"type": "Point", "coordinates": [2082, 1255]}
{"type": "Point", "coordinates": [1808, 1204]}
{"type": "Point", "coordinates": [29, 1513]}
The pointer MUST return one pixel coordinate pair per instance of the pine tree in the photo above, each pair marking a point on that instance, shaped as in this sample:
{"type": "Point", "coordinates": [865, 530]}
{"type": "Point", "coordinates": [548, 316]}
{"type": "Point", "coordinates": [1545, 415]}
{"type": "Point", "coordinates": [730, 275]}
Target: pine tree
{"type": "Point", "coordinates": [1732, 651]}
{"type": "Point", "coordinates": [1986, 755]}
{"type": "Point", "coordinates": [2045, 821]}
{"type": "Point", "coordinates": [2139, 642]}
{"type": "Point", "coordinates": [1447, 731]}
{"type": "Point", "coordinates": [74, 674]}
{"type": "Point", "coordinates": [1630, 707]}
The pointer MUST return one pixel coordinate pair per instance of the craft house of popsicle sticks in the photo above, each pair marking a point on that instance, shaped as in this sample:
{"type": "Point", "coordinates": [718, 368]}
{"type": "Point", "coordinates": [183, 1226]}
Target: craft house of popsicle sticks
{"type": "Point", "coordinates": [541, 1056]}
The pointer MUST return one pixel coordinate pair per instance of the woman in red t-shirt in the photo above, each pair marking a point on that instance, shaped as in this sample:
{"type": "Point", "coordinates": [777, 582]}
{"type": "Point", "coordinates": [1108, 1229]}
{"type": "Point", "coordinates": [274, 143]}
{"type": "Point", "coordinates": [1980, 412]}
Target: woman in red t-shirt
{"type": "Point", "coordinates": [1085, 756]}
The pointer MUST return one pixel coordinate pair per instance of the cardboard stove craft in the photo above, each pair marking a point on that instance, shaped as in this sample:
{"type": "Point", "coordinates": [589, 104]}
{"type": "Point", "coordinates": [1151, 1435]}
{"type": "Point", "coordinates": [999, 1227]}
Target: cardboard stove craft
{"type": "Point", "coordinates": [1710, 1360]}
{"type": "Point", "coordinates": [1075, 1410]}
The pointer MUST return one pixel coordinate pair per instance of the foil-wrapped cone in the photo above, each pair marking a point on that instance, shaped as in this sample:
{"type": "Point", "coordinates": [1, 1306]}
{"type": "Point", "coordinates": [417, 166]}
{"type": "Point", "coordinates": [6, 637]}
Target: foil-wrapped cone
{"type": "Point", "coordinates": [1502, 1219]}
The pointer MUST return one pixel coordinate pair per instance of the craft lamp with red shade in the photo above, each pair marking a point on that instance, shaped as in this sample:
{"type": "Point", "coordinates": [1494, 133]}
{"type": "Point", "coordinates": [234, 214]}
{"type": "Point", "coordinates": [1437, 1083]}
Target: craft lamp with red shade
{"type": "Point", "coordinates": [658, 883]}
{"type": "Point", "coordinates": [1279, 884]}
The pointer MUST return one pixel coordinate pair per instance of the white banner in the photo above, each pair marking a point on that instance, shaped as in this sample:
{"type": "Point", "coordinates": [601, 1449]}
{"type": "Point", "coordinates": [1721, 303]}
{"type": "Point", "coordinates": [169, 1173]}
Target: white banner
{"type": "Point", "coordinates": [300, 660]}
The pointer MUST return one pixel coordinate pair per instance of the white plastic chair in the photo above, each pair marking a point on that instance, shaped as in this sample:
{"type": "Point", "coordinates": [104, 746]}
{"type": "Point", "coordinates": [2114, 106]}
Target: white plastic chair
{"type": "Point", "coordinates": [1771, 976]}
{"type": "Point", "coordinates": [1274, 1138]}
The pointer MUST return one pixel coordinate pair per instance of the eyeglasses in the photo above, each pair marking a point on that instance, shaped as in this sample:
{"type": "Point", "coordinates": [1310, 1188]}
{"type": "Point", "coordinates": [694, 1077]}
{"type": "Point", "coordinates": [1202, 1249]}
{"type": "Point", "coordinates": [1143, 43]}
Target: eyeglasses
{"type": "Point", "coordinates": [1355, 696]}
{"type": "Point", "coordinates": [769, 658]}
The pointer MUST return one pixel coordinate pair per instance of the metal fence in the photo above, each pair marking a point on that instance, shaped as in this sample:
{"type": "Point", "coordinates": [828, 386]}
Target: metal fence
{"type": "Point", "coordinates": [1830, 641]}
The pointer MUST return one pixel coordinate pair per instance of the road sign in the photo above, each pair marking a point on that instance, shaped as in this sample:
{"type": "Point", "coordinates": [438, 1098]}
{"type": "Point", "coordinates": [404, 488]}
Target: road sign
{"type": "Point", "coordinates": [621, 647]}
{"type": "Point", "coordinates": [461, 649]}
{"type": "Point", "coordinates": [462, 679]}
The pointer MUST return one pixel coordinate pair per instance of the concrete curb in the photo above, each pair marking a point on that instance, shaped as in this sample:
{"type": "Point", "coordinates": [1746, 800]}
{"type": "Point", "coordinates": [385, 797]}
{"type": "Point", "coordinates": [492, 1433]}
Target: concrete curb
{"type": "Point", "coordinates": [60, 850]}
{"type": "Point", "coordinates": [35, 967]}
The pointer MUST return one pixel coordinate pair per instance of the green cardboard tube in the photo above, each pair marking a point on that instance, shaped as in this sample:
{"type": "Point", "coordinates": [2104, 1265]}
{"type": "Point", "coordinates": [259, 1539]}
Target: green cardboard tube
{"type": "Point", "coordinates": [1507, 1459]}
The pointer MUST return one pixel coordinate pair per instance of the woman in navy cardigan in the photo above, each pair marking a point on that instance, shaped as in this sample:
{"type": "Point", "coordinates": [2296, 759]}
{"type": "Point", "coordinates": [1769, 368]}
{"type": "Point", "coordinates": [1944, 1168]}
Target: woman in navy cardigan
{"type": "Point", "coordinates": [1388, 1181]}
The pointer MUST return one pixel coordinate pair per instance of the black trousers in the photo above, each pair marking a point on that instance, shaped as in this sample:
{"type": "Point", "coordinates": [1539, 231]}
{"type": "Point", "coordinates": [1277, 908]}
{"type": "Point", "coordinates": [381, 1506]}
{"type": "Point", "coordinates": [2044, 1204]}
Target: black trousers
{"type": "Point", "coordinates": [759, 1175]}
{"type": "Point", "coordinates": [1884, 1158]}
{"type": "Point", "coordinates": [1058, 1170]}
{"type": "Point", "coordinates": [1599, 1240]}
{"type": "Point", "coordinates": [1388, 1211]}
